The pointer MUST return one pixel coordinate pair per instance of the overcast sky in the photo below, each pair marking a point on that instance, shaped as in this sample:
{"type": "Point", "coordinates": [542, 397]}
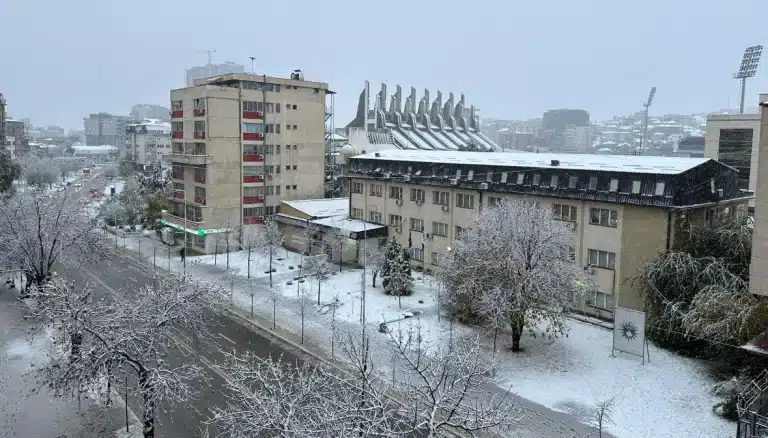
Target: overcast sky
{"type": "Point", "coordinates": [60, 60]}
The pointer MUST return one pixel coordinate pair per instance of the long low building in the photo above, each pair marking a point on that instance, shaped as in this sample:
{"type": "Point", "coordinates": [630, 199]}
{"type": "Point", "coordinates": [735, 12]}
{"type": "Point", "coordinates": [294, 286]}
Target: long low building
{"type": "Point", "coordinates": [624, 209]}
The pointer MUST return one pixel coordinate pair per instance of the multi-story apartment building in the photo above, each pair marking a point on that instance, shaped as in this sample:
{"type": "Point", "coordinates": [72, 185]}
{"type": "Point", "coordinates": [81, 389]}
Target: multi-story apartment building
{"type": "Point", "coordinates": [242, 144]}
{"type": "Point", "coordinates": [734, 140]}
{"type": "Point", "coordinates": [106, 129]}
{"type": "Point", "coordinates": [623, 210]}
{"type": "Point", "coordinates": [147, 143]}
{"type": "Point", "coordinates": [147, 111]}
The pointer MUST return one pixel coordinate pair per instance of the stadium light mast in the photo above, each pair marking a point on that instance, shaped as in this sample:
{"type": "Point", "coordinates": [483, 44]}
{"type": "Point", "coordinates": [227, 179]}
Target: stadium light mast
{"type": "Point", "coordinates": [647, 105]}
{"type": "Point", "coordinates": [747, 69]}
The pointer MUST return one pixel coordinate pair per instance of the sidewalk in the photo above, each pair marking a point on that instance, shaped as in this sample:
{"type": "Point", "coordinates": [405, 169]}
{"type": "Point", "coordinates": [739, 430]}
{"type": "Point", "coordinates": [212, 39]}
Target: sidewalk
{"type": "Point", "coordinates": [538, 422]}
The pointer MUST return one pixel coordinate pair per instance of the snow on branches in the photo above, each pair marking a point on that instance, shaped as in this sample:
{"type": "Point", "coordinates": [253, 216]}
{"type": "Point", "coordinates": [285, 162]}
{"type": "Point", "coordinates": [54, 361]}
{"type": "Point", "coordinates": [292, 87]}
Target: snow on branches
{"type": "Point", "coordinates": [270, 240]}
{"type": "Point", "coordinates": [36, 231]}
{"type": "Point", "coordinates": [518, 248]}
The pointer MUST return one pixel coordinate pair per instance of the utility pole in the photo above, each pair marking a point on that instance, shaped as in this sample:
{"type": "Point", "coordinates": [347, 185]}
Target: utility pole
{"type": "Point", "coordinates": [647, 105]}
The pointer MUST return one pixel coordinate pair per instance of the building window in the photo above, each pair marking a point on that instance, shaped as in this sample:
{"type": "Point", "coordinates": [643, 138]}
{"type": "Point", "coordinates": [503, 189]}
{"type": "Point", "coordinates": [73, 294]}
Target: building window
{"type": "Point", "coordinates": [293, 187]}
{"type": "Point", "coordinates": [458, 232]}
{"type": "Point", "coordinates": [252, 191]}
{"type": "Point", "coordinates": [178, 187]}
{"type": "Point", "coordinates": [253, 171]}
{"type": "Point", "coordinates": [636, 187]}
{"type": "Point", "coordinates": [417, 254]}
{"type": "Point", "coordinates": [520, 177]}
{"type": "Point", "coordinates": [573, 182]}
{"type": "Point", "coordinates": [200, 195]}
{"type": "Point", "coordinates": [375, 217]}
{"type": "Point", "coordinates": [271, 128]}
{"type": "Point", "coordinates": [601, 259]}
{"type": "Point", "coordinates": [176, 105]}
{"type": "Point", "coordinates": [493, 201]}
{"type": "Point", "coordinates": [593, 183]}
{"type": "Point", "coordinates": [253, 107]}
{"type": "Point", "coordinates": [536, 179]}
{"type": "Point", "coordinates": [253, 211]}
{"type": "Point", "coordinates": [564, 212]}
{"type": "Point", "coordinates": [177, 126]}
{"type": "Point", "coordinates": [417, 224]}
{"type": "Point", "coordinates": [357, 187]}
{"type": "Point", "coordinates": [465, 201]}
{"type": "Point", "coordinates": [735, 150]}
{"type": "Point", "coordinates": [660, 186]}
{"type": "Point", "coordinates": [614, 185]}
{"type": "Point", "coordinates": [553, 181]}
{"type": "Point", "coordinates": [441, 198]}
{"type": "Point", "coordinates": [395, 220]}
{"type": "Point", "coordinates": [417, 195]}
{"type": "Point", "coordinates": [440, 229]}
{"type": "Point", "coordinates": [357, 213]}
{"type": "Point", "coordinates": [253, 128]}
{"type": "Point", "coordinates": [376, 190]}
{"type": "Point", "coordinates": [603, 217]}
{"type": "Point", "coordinates": [200, 175]}
{"type": "Point", "coordinates": [396, 193]}
{"type": "Point", "coordinates": [600, 300]}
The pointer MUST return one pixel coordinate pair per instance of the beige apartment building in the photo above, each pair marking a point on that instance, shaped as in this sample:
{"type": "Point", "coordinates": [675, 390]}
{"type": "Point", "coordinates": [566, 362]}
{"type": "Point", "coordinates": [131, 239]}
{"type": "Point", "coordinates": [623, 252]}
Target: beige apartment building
{"type": "Point", "coordinates": [733, 139]}
{"type": "Point", "coordinates": [241, 144]}
{"type": "Point", "coordinates": [624, 209]}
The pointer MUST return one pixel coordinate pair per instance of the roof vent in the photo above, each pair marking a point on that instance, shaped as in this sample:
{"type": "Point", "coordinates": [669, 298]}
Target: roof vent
{"type": "Point", "coordinates": [554, 163]}
{"type": "Point", "coordinates": [297, 75]}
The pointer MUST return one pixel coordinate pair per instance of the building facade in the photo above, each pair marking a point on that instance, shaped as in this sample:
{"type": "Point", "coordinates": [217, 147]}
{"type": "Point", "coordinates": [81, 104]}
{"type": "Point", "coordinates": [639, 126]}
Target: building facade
{"type": "Point", "coordinates": [147, 111]}
{"type": "Point", "coordinates": [147, 143]}
{"type": "Point", "coordinates": [2, 121]}
{"type": "Point", "coordinates": [758, 270]}
{"type": "Point", "coordinates": [210, 70]}
{"type": "Point", "coordinates": [106, 129]}
{"type": "Point", "coordinates": [623, 210]}
{"type": "Point", "coordinates": [733, 139]}
{"type": "Point", "coordinates": [241, 144]}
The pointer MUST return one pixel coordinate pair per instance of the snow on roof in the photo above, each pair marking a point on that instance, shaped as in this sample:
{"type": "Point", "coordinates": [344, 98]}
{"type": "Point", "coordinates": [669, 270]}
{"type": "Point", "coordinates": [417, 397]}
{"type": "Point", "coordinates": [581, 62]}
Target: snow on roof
{"type": "Point", "coordinates": [345, 223]}
{"type": "Point", "coordinates": [103, 149]}
{"type": "Point", "coordinates": [321, 207]}
{"type": "Point", "coordinates": [605, 163]}
{"type": "Point", "coordinates": [338, 137]}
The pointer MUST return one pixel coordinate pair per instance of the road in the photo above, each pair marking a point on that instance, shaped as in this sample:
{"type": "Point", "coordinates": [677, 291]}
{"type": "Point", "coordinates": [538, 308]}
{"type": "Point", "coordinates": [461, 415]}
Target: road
{"type": "Point", "coordinates": [122, 277]}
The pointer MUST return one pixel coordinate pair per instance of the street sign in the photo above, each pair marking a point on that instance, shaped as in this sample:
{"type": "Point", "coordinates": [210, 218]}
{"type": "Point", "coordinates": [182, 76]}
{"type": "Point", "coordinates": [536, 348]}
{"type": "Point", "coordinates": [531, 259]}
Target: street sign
{"type": "Point", "coordinates": [200, 232]}
{"type": "Point", "coordinates": [178, 227]}
{"type": "Point", "coordinates": [164, 222]}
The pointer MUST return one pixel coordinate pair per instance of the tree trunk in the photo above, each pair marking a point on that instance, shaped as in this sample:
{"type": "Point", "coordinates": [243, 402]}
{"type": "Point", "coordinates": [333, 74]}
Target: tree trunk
{"type": "Point", "coordinates": [341, 255]}
{"type": "Point", "coordinates": [318, 291]}
{"type": "Point", "coordinates": [227, 255]}
{"type": "Point", "coordinates": [517, 332]}
{"type": "Point", "coordinates": [148, 397]}
{"type": "Point", "coordinates": [375, 273]}
{"type": "Point", "coordinates": [249, 262]}
{"type": "Point", "coordinates": [495, 336]}
{"type": "Point", "coordinates": [400, 301]}
{"type": "Point", "coordinates": [270, 268]}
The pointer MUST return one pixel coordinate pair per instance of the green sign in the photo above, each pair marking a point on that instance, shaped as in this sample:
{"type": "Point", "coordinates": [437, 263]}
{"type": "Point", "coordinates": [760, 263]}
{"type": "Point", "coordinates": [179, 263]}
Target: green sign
{"type": "Point", "coordinates": [163, 221]}
{"type": "Point", "coordinates": [200, 232]}
{"type": "Point", "coordinates": [178, 227]}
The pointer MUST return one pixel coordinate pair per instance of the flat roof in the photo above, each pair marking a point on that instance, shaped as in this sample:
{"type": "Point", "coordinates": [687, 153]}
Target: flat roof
{"type": "Point", "coordinates": [321, 207]}
{"type": "Point", "coordinates": [605, 163]}
{"type": "Point", "coordinates": [345, 223]}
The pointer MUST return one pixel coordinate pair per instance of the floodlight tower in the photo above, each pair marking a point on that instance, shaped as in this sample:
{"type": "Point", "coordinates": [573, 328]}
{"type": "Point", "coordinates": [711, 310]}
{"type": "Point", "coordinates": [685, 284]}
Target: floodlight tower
{"type": "Point", "coordinates": [747, 69]}
{"type": "Point", "coordinates": [647, 105]}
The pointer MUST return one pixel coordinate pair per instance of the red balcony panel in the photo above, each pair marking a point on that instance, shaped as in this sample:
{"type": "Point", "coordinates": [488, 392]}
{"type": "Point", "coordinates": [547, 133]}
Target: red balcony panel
{"type": "Point", "coordinates": [177, 134]}
{"type": "Point", "coordinates": [252, 157]}
{"type": "Point", "coordinates": [252, 136]}
{"type": "Point", "coordinates": [253, 220]}
{"type": "Point", "coordinates": [200, 135]}
{"type": "Point", "coordinates": [253, 115]}
{"type": "Point", "coordinates": [199, 200]}
{"type": "Point", "coordinates": [199, 112]}
{"type": "Point", "coordinates": [252, 199]}
{"type": "Point", "coordinates": [178, 175]}
{"type": "Point", "coordinates": [178, 195]}
{"type": "Point", "coordinates": [252, 179]}
{"type": "Point", "coordinates": [177, 114]}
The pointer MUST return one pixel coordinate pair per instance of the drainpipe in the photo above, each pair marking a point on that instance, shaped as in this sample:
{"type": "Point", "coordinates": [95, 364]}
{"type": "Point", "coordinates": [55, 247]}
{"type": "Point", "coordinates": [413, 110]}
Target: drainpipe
{"type": "Point", "coordinates": [240, 140]}
{"type": "Point", "coordinates": [264, 143]}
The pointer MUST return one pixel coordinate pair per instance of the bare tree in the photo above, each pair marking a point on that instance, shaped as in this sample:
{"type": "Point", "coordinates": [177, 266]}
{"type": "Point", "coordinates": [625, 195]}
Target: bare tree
{"type": "Point", "coordinates": [494, 316]}
{"type": "Point", "coordinates": [604, 410]}
{"type": "Point", "coordinates": [36, 231]}
{"type": "Point", "coordinates": [337, 239]}
{"type": "Point", "coordinates": [41, 173]}
{"type": "Point", "coordinates": [318, 268]}
{"type": "Point", "coordinates": [250, 244]}
{"type": "Point", "coordinates": [274, 295]}
{"type": "Point", "coordinates": [304, 305]}
{"type": "Point", "coordinates": [374, 259]}
{"type": "Point", "coordinates": [104, 335]}
{"type": "Point", "coordinates": [533, 267]}
{"type": "Point", "coordinates": [270, 242]}
{"type": "Point", "coordinates": [268, 397]}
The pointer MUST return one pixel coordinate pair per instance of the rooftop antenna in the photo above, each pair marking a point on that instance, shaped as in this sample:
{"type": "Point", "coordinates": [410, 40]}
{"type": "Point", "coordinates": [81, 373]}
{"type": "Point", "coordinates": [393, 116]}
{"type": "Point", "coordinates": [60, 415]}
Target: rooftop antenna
{"type": "Point", "coordinates": [210, 52]}
{"type": "Point", "coordinates": [747, 69]}
{"type": "Point", "coordinates": [252, 58]}
{"type": "Point", "coordinates": [647, 105]}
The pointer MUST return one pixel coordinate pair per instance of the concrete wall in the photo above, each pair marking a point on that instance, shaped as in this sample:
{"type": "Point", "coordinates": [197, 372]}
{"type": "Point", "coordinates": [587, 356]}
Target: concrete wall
{"type": "Point", "coordinates": [734, 121]}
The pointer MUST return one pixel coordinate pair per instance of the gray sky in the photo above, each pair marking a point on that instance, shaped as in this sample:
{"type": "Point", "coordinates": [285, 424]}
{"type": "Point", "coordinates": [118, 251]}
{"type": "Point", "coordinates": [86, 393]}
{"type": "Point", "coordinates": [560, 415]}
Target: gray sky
{"type": "Point", "coordinates": [60, 60]}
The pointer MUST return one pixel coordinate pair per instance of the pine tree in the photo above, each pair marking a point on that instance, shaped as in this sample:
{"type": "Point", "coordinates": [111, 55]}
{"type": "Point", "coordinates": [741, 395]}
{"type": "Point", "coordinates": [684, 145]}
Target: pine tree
{"type": "Point", "coordinates": [390, 256]}
{"type": "Point", "coordinates": [400, 282]}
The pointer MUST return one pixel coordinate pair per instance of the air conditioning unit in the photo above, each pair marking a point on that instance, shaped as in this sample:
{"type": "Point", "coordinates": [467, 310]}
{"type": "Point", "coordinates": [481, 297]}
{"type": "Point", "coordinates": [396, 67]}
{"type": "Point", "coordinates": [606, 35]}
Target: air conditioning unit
{"type": "Point", "coordinates": [260, 113]}
{"type": "Point", "coordinates": [269, 176]}
{"type": "Point", "coordinates": [445, 208]}
{"type": "Point", "coordinates": [483, 186]}
{"type": "Point", "coordinates": [454, 181]}
{"type": "Point", "coordinates": [399, 202]}
{"type": "Point", "coordinates": [407, 178]}
{"type": "Point", "coordinates": [399, 229]}
{"type": "Point", "coordinates": [260, 176]}
{"type": "Point", "coordinates": [387, 175]}
{"type": "Point", "coordinates": [261, 218]}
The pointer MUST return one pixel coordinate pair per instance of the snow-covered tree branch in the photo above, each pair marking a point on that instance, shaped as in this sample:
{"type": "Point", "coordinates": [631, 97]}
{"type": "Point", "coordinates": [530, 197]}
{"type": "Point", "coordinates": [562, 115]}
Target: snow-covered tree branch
{"type": "Point", "coordinates": [373, 257]}
{"type": "Point", "coordinates": [269, 243]}
{"type": "Point", "coordinates": [520, 249]}
{"type": "Point", "coordinates": [36, 231]}
{"type": "Point", "coordinates": [317, 268]}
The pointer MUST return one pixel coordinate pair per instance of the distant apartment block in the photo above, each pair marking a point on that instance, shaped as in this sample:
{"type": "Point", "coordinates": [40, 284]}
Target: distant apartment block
{"type": "Point", "coordinates": [210, 70]}
{"type": "Point", "coordinates": [106, 129]}
{"type": "Point", "coordinates": [154, 112]}
{"type": "Point", "coordinates": [734, 139]}
{"type": "Point", "coordinates": [242, 144]}
{"type": "Point", "coordinates": [623, 210]}
{"type": "Point", "coordinates": [147, 143]}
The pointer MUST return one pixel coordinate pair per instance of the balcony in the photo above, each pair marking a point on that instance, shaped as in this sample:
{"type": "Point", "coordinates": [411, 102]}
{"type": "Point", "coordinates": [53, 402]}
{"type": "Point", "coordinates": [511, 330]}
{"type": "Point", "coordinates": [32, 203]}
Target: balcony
{"type": "Point", "coordinates": [253, 136]}
{"type": "Point", "coordinates": [178, 175]}
{"type": "Point", "coordinates": [195, 159]}
{"type": "Point", "coordinates": [252, 179]}
{"type": "Point", "coordinates": [179, 220]}
{"type": "Point", "coordinates": [200, 200]}
{"type": "Point", "coordinates": [178, 195]}
{"type": "Point", "coordinates": [177, 114]}
{"type": "Point", "coordinates": [199, 112]}
{"type": "Point", "coordinates": [251, 157]}
{"type": "Point", "coordinates": [252, 220]}
{"type": "Point", "coordinates": [177, 134]}
{"type": "Point", "coordinates": [200, 179]}
{"type": "Point", "coordinates": [253, 199]}
{"type": "Point", "coordinates": [200, 135]}
{"type": "Point", "coordinates": [253, 115]}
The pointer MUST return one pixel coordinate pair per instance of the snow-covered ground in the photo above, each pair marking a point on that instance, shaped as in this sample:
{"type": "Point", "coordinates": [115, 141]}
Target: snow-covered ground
{"type": "Point", "coordinates": [666, 397]}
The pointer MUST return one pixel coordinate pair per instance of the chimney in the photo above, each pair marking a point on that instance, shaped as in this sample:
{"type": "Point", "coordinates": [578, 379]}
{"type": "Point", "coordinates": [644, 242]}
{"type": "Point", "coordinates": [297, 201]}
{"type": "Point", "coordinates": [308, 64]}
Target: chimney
{"type": "Point", "coordinates": [554, 163]}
